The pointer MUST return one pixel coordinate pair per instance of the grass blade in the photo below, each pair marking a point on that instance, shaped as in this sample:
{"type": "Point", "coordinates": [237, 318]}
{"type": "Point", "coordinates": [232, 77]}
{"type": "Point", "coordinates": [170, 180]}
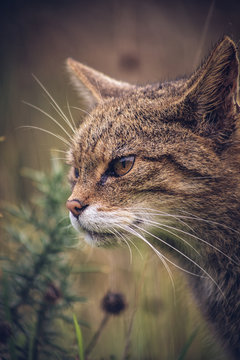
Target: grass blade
{"type": "Point", "coordinates": [79, 338]}
{"type": "Point", "coordinates": [187, 345]}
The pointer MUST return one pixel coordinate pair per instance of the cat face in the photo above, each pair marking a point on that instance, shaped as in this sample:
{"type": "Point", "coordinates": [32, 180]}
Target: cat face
{"type": "Point", "coordinates": [147, 151]}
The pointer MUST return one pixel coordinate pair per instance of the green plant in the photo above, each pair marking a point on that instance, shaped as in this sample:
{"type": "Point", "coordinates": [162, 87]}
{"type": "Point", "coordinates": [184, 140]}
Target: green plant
{"type": "Point", "coordinates": [35, 285]}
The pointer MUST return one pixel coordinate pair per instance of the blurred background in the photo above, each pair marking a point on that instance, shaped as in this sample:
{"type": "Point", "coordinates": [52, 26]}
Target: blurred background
{"type": "Point", "coordinates": [137, 41]}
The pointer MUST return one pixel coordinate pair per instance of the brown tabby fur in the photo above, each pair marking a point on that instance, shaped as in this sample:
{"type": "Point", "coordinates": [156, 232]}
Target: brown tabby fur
{"type": "Point", "coordinates": [185, 138]}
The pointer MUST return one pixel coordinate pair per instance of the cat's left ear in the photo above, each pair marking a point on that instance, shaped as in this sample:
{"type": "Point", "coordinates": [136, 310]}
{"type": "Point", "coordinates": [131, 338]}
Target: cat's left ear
{"type": "Point", "coordinates": [213, 92]}
{"type": "Point", "coordinates": [93, 86]}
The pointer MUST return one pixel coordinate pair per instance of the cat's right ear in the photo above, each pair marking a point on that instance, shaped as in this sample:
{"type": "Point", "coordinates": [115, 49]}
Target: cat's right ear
{"type": "Point", "coordinates": [93, 86]}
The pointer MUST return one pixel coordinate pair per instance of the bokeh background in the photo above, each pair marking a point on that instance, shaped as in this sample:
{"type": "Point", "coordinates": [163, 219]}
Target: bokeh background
{"type": "Point", "coordinates": [137, 41]}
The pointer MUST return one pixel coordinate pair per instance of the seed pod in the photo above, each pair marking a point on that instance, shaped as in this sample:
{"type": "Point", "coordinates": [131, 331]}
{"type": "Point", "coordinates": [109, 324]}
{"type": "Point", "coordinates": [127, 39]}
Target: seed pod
{"type": "Point", "coordinates": [113, 303]}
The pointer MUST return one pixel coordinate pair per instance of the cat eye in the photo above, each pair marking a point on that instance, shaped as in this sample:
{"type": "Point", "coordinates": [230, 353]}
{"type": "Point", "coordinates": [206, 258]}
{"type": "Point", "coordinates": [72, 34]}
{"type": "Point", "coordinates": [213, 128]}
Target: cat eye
{"type": "Point", "coordinates": [76, 172]}
{"type": "Point", "coordinates": [123, 165]}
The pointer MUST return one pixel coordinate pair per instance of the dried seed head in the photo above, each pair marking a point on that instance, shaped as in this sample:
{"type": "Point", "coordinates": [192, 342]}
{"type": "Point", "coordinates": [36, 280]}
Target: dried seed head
{"type": "Point", "coordinates": [113, 303]}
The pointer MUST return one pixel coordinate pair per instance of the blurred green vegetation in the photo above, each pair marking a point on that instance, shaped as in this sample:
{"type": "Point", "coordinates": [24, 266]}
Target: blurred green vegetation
{"type": "Point", "coordinates": [35, 283]}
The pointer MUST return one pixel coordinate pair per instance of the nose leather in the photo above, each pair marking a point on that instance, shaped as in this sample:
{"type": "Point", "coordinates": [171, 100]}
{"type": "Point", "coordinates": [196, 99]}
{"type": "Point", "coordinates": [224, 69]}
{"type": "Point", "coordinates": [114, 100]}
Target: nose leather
{"type": "Point", "coordinates": [76, 207]}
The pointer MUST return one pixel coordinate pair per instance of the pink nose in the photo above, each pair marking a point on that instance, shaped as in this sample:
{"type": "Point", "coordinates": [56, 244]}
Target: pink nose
{"type": "Point", "coordinates": [76, 207]}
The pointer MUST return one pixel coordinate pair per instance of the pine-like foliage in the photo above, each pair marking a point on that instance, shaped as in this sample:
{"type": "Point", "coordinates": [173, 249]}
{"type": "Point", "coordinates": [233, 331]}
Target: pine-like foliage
{"type": "Point", "coordinates": [35, 284]}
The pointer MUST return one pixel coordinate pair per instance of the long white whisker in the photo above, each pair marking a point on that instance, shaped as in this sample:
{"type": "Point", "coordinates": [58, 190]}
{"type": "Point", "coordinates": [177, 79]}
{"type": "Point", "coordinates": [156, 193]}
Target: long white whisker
{"type": "Point", "coordinates": [163, 214]}
{"type": "Point", "coordinates": [160, 226]}
{"type": "Point", "coordinates": [171, 262]}
{"type": "Point", "coordinates": [49, 116]}
{"type": "Point", "coordinates": [160, 256]}
{"type": "Point", "coordinates": [58, 158]}
{"type": "Point", "coordinates": [84, 111]}
{"type": "Point", "coordinates": [160, 213]}
{"type": "Point", "coordinates": [58, 150]}
{"type": "Point", "coordinates": [71, 116]}
{"type": "Point", "coordinates": [132, 242]}
{"type": "Point", "coordinates": [54, 103]}
{"type": "Point", "coordinates": [48, 132]}
{"type": "Point", "coordinates": [195, 217]}
{"type": "Point", "coordinates": [125, 241]}
{"type": "Point", "coordinates": [184, 255]}
{"type": "Point", "coordinates": [195, 237]}
{"type": "Point", "coordinates": [191, 217]}
{"type": "Point", "coordinates": [62, 115]}
{"type": "Point", "coordinates": [67, 226]}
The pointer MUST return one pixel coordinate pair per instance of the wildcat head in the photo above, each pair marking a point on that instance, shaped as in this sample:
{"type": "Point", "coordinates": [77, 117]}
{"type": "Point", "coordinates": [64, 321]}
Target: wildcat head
{"type": "Point", "coordinates": [155, 150]}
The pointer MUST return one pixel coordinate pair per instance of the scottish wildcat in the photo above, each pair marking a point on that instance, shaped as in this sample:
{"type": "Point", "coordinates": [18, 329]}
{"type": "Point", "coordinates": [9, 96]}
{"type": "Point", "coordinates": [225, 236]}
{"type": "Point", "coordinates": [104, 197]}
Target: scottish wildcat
{"type": "Point", "coordinates": [161, 162]}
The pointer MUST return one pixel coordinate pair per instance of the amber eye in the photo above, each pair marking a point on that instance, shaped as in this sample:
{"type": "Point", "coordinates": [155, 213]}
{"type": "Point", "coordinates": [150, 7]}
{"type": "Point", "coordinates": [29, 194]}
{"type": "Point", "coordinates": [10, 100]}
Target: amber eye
{"type": "Point", "coordinates": [123, 165]}
{"type": "Point", "coordinates": [76, 172]}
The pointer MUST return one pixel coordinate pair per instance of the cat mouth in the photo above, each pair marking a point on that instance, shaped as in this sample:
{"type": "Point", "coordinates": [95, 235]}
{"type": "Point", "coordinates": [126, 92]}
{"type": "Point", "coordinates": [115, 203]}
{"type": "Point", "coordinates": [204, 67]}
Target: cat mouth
{"type": "Point", "coordinates": [110, 236]}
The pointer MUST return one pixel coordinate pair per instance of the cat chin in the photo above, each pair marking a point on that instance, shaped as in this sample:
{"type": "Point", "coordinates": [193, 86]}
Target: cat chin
{"type": "Point", "coordinates": [99, 240]}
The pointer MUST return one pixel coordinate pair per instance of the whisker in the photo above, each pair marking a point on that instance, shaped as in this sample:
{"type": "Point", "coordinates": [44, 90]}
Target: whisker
{"type": "Point", "coordinates": [46, 131]}
{"type": "Point", "coordinates": [184, 255]}
{"type": "Point", "coordinates": [58, 150]}
{"type": "Point", "coordinates": [49, 116]}
{"type": "Point", "coordinates": [63, 218]}
{"type": "Point", "coordinates": [71, 116]}
{"type": "Point", "coordinates": [161, 226]}
{"type": "Point", "coordinates": [54, 103]}
{"type": "Point", "coordinates": [132, 242]}
{"type": "Point", "coordinates": [195, 217]}
{"type": "Point", "coordinates": [125, 241]}
{"type": "Point", "coordinates": [198, 238]}
{"type": "Point", "coordinates": [187, 233]}
{"type": "Point", "coordinates": [195, 237]}
{"type": "Point", "coordinates": [171, 262]}
{"type": "Point", "coordinates": [62, 115]}
{"type": "Point", "coordinates": [155, 212]}
{"type": "Point", "coordinates": [160, 256]}
{"type": "Point", "coordinates": [67, 226]}
{"type": "Point", "coordinates": [84, 111]}
{"type": "Point", "coordinates": [58, 158]}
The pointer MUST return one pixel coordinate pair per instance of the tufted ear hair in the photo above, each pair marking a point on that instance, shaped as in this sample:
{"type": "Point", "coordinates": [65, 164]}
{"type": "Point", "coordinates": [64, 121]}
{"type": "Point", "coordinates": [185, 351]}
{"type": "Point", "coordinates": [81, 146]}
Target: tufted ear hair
{"type": "Point", "coordinates": [93, 86]}
{"type": "Point", "coordinates": [213, 91]}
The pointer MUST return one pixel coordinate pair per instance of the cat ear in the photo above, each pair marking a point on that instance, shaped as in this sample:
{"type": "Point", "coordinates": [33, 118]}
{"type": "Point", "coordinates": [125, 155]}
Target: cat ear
{"type": "Point", "coordinates": [93, 86]}
{"type": "Point", "coordinates": [213, 90]}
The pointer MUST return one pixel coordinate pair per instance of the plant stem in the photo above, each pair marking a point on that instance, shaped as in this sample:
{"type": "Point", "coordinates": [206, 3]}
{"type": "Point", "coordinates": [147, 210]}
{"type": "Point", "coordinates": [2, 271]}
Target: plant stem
{"type": "Point", "coordinates": [33, 352]}
{"type": "Point", "coordinates": [128, 338]}
{"type": "Point", "coordinates": [97, 334]}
